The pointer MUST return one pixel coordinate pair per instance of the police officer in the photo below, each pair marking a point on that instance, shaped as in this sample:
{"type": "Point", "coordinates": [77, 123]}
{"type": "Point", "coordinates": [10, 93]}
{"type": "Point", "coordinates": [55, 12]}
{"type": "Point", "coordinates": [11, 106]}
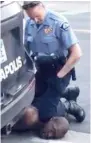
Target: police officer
{"type": "Point", "coordinates": [46, 32]}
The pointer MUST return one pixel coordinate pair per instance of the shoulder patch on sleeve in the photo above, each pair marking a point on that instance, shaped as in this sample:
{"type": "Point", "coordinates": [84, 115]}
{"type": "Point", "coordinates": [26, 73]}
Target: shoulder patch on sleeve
{"type": "Point", "coordinates": [65, 26]}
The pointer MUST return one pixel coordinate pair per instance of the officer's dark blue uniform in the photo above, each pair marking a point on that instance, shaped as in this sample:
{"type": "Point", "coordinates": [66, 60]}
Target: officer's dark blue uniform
{"type": "Point", "coordinates": [53, 34]}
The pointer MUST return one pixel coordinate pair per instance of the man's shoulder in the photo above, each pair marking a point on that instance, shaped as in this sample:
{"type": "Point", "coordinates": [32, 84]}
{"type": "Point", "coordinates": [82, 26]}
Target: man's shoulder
{"type": "Point", "coordinates": [55, 16]}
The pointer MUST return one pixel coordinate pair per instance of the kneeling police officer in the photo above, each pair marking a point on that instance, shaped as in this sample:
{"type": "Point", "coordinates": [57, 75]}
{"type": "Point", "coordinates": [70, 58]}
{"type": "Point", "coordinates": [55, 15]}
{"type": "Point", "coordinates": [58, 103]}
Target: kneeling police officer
{"type": "Point", "coordinates": [55, 50]}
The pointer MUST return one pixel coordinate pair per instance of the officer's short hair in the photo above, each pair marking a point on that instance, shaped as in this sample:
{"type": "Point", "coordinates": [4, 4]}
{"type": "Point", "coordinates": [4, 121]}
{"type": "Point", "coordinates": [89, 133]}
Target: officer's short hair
{"type": "Point", "coordinates": [30, 4]}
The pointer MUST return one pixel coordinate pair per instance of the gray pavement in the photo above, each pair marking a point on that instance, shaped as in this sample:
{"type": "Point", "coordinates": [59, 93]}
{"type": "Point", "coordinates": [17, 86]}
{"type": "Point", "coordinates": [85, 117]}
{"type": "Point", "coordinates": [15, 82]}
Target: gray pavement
{"type": "Point", "coordinates": [83, 69]}
{"type": "Point", "coordinates": [79, 21]}
{"type": "Point", "coordinates": [83, 80]}
{"type": "Point", "coordinates": [68, 5]}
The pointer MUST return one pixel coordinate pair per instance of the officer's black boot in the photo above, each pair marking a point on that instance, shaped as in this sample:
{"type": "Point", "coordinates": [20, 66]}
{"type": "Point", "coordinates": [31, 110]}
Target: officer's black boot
{"type": "Point", "coordinates": [71, 93]}
{"type": "Point", "coordinates": [74, 109]}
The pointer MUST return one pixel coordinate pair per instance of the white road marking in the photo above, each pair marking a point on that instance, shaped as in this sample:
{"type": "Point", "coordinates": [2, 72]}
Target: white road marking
{"type": "Point", "coordinates": [73, 12]}
{"type": "Point", "coordinates": [82, 30]}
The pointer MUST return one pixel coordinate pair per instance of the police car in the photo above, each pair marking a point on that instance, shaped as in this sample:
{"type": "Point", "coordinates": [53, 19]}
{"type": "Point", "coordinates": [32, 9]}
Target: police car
{"type": "Point", "coordinates": [16, 78]}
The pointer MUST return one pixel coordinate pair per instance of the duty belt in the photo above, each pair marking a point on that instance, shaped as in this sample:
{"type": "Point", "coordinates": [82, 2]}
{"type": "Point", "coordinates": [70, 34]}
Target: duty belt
{"type": "Point", "coordinates": [49, 65]}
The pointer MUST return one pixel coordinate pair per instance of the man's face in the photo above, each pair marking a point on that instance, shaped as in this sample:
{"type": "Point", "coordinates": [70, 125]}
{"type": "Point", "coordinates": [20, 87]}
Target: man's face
{"type": "Point", "coordinates": [37, 13]}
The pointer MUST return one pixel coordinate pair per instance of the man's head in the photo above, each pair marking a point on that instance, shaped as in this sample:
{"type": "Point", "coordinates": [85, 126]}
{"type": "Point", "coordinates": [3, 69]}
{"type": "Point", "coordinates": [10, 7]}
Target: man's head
{"type": "Point", "coordinates": [35, 10]}
{"type": "Point", "coordinates": [55, 128]}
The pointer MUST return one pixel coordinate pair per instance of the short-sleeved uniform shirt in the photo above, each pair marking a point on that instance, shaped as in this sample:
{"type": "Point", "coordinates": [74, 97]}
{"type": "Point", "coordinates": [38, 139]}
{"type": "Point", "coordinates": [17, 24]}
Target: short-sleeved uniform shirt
{"type": "Point", "coordinates": [55, 33]}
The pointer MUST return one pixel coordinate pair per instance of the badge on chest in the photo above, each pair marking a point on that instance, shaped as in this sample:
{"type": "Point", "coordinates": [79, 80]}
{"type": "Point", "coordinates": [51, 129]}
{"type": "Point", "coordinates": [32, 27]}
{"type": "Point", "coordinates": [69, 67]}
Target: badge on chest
{"type": "Point", "coordinates": [48, 30]}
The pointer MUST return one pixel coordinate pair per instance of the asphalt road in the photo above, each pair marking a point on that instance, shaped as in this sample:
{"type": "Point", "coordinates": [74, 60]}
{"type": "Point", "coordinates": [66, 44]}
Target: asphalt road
{"type": "Point", "coordinates": [79, 22]}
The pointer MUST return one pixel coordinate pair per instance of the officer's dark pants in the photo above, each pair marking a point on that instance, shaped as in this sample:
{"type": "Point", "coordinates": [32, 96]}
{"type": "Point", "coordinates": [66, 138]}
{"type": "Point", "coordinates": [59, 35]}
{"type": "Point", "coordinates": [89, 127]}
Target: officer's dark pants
{"type": "Point", "coordinates": [47, 97]}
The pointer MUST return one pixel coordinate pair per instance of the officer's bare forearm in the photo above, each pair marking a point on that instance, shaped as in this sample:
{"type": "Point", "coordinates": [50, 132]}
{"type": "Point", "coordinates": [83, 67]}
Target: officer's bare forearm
{"type": "Point", "coordinates": [75, 54]}
{"type": "Point", "coordinates": [69, 65]}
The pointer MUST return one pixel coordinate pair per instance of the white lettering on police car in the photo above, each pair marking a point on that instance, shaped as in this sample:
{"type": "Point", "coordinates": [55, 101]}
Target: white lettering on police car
{"type": "Point", "coordinates": [3, 56]}
{"type": "Point", "coordinates": [2, 75]}
{"type": "Point", "coordinates": [11, 68]}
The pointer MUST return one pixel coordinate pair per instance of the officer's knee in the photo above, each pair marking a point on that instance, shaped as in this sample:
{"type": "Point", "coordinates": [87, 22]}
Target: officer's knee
{"type": "Point", "coordinates": [56, 128]}
{"type": "Point", "coordinates": [31, 115]}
